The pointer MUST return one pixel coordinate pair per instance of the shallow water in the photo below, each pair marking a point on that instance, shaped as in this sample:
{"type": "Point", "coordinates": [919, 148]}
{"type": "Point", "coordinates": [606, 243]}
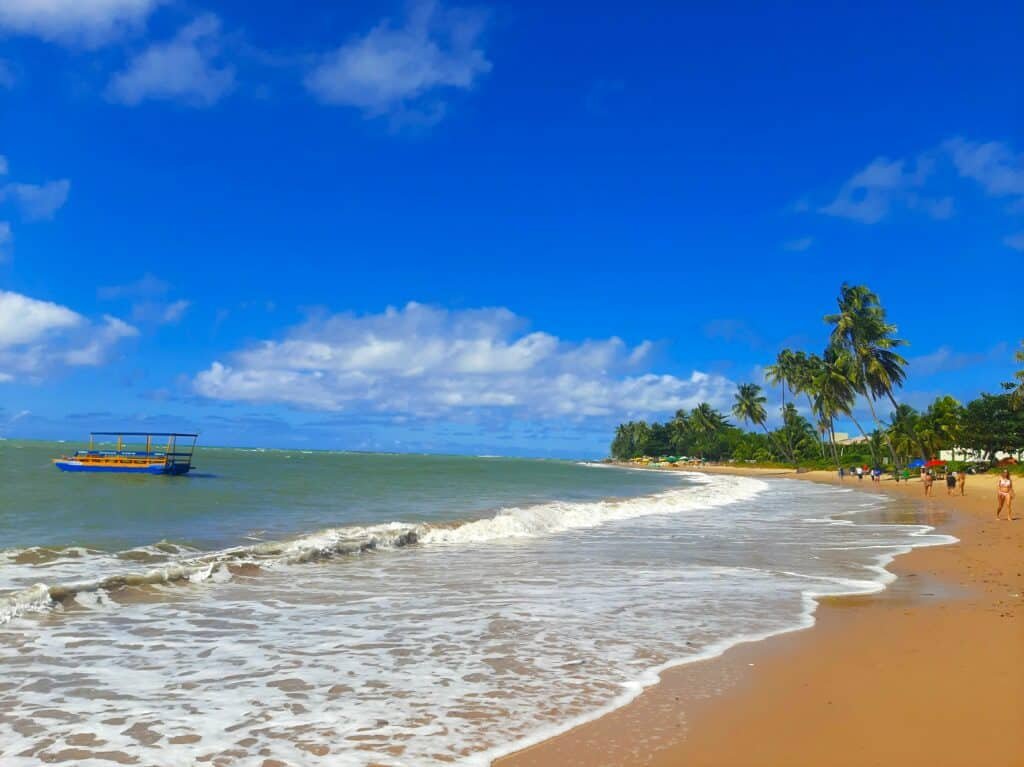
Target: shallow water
{"type": "Point", "coordinates": [441, 633]}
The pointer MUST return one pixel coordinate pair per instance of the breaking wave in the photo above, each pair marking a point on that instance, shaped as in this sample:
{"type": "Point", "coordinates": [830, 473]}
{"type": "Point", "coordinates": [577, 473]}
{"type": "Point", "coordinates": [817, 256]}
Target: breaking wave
{"type": "Point", "coordinates": [181, 564]}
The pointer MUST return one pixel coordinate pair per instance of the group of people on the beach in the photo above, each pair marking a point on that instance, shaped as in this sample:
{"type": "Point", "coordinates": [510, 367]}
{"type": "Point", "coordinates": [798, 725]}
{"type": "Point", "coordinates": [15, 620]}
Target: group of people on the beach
{"type": "Point", "coordinates": [955, 480]}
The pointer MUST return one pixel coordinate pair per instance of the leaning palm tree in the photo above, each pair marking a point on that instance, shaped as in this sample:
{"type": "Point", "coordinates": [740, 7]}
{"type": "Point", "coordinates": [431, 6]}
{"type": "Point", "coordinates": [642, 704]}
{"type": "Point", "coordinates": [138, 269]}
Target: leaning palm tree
{"type": "Point", "coordinates": [862, 330]}
{"type": "Point", "coordinates": [834, 394]}
{"type": "Point", "coordinates": [804, 368]}
{"type": "Point", "coordinates": [748, 406]}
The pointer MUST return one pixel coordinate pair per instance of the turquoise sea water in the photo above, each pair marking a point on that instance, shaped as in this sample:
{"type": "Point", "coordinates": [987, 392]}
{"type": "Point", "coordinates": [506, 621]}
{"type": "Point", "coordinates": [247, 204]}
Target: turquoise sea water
{"type": "Point", "coordinates": [349, 610]}
{"type": "Point", "coordinates": [234, 495]}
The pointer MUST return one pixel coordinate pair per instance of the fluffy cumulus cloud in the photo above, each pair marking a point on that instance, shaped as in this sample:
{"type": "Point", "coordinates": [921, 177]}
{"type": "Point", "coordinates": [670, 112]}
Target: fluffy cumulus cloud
{"type": "Point", "coordinates": [427, 362]}
{"type": "Point", "coordinates": [401, 69]}
{"type": "Point", "coordinates": [37, 338]}
{"type": "Point", "coordinates": [183, 69]}
{"type": "Point", "coordinates": [88, 23]}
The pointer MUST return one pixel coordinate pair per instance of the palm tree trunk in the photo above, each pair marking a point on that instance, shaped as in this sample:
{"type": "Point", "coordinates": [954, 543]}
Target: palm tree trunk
{"type": "Point", "coordinates": [864, 434]}
{"type": "Point", "coordinates": [832, 442]}
{"type": "Point", "coordinates": [878, 427]}
{"type": "Point", "coordinates": [775, 444]}
{"type": "Point", "coordinates": [821, 442]}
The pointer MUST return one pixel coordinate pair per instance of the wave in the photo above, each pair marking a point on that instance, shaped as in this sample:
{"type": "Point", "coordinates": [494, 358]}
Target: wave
{"type": "Point", "coordinates": [508, 524]}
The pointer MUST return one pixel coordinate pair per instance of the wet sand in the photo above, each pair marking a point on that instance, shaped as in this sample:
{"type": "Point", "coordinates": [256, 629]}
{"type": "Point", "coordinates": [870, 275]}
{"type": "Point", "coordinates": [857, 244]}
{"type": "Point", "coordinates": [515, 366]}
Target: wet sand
{"type": "Point", "coordinates": [928, 672]}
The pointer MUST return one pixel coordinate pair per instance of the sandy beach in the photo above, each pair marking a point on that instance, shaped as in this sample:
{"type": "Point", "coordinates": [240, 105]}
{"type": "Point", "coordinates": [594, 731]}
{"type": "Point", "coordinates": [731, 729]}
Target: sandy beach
{"type": "Point", "coordinates": [928, 672]}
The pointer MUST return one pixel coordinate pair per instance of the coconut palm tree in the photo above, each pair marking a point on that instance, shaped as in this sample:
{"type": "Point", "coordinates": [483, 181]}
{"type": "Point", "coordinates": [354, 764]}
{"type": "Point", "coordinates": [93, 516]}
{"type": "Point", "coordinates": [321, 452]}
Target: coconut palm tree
{"type": "Point", "coordinates": [783, 373]}
{"type": "Point", "coordinates": [706, 423]}
{"type": "Point", "coordinates": [1018, 393]}
{"type": "Point", "coordinates": [862, 330]}
{"type": "Point", "coordinates": [834, 394]}
{"type": "Point", "coordinates": [748, 406]}
{"type": "Point", "coordinates": [804, 367]}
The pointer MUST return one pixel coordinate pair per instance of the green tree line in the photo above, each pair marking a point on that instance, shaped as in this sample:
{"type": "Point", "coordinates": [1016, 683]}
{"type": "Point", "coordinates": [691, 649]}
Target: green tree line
{"type": "Point", "coordinates": [860, 364]}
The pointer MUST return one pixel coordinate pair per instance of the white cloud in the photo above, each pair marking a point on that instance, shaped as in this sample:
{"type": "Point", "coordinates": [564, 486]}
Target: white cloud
{"type": "Point", "coordinates": [426, 362]}
{"type": "Point", "coordinates": [945, 359]}
{"type": "Point", "coordinates": [38, 201]}
{"type": "Point", "coordinates": [871, 193]}
{"type": "Point", "coordinates": [6, 238]}
{"type": "Point", "coordinates": [159, 312]}
{"type": "Point", "coordinates": [992, 164]}
{"type": "Point", "coordinates": [798, 245]}
{"type": "Point", "coordinates": [398, 70]}
{"type": "Point", "coordinates": [182, 69]}
{"type": "Point", "coordinates": [146, 286]}
{"type": "Point", "coordinates": [39, 337]}
{"type": "Point", "coordinates": [1015, 241]}
{"type": "Point", "coordinates": [89, 23]}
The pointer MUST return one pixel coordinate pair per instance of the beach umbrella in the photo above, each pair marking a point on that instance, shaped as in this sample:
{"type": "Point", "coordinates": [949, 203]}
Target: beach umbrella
{"type": "Point", "coordinates": [933, 463]}
{"type": "Point", "coordinates": [917, 463]}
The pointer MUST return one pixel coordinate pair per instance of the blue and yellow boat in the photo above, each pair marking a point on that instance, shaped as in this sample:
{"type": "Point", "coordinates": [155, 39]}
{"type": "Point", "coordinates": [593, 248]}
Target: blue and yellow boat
{"type": "Point", "coordinates": [157, 457]}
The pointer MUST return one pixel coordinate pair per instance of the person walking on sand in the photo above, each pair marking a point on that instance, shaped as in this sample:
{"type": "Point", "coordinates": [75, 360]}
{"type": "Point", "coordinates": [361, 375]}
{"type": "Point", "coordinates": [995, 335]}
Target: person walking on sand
{"type": "Point", "coordinates": [926, 480]}
{"type": "Point", "coordinates": [961, 480]}
{"type": "Point", "coordinates": [950, 482]}
{"type": "Point", "coordinates": [1004, 493]}
{"type": "Point", "coordinates": [860, 472]}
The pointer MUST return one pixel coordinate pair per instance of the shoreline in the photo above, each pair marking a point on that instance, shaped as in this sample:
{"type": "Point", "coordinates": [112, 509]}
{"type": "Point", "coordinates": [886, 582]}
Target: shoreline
{"type": "Point", "coordinates": [945, 606]}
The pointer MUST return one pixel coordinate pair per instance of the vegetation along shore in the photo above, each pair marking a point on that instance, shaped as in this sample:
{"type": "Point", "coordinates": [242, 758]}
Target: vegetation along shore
{"type": "Point", "coordinates": [860, 370]}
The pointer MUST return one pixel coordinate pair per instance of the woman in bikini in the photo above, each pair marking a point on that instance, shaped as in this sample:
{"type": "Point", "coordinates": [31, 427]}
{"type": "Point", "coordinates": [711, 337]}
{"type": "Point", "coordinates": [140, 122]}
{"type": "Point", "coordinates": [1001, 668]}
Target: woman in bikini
{"type": "Point", "coordinates": [961, 480]}
{"type": "Point", "coordinates": [927, 479]}
{"type": "Point", "coordinates": [1005, 495]}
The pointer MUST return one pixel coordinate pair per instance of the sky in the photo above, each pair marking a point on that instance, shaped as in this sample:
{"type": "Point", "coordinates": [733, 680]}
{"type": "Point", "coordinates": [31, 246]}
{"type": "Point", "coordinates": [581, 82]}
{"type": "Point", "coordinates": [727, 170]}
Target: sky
{"type": "Point", "coordinates": [495, 228]}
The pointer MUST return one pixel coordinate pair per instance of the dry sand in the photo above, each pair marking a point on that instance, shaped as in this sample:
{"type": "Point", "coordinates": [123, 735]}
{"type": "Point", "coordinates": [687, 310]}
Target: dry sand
{"type": "Point", "coordinates": [928, 672]}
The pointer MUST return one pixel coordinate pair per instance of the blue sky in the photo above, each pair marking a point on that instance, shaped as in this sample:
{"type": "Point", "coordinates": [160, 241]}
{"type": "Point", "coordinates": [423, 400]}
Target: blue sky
{"type": "Point", "coordinates": [495, 227]}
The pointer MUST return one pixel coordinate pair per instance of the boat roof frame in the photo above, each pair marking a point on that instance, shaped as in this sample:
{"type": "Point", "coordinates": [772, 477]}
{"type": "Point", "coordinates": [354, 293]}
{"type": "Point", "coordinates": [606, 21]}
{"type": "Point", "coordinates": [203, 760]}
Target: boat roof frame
{"type": "Point", "coordinates": [140, 434]}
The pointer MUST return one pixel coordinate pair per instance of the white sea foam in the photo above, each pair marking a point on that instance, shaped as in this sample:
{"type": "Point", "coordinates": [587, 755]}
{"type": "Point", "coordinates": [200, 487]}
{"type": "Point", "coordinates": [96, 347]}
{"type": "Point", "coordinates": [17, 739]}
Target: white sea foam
{"type": "Point", "coordinates": [453, 651]}
{"type": "Point", "coordinates": [182, 563]}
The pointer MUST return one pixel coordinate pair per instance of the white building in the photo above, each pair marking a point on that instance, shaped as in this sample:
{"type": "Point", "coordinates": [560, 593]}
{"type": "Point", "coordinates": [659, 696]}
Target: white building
{"type": "Point", "coordinates": [959, 454]}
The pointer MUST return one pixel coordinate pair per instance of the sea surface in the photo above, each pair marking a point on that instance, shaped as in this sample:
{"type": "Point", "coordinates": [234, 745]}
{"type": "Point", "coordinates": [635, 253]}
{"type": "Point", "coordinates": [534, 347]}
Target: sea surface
{"type": "Point", "coordinates": [318, 608]}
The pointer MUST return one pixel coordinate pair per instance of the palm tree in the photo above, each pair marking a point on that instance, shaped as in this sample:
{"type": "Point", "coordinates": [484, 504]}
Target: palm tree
{"type": "Point", "coordinates": [783, 374]}
{"type": "Point", "coordinates": [804, 367]}
{"type": "Point", "coordinates": [706, 423]}
{"type": "Point", "coordinates": [680, 433]}
{"type": "Point", "coordinates": [862, 330]}
{"type": "Point", "coordinates": [749, 407]}
{"type": "Point", "coordinates": [906, 433]}
{"type": "Point", "coordinates": [834, 394]}
{"type": "Point", "coordinates": [1018, 393]}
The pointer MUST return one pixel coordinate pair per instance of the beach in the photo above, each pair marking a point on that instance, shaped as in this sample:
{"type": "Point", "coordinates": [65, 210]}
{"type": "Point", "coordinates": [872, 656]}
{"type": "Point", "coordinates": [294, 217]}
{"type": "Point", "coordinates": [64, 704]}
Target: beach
{"type": "Point", "coordinates": [356, 610]}
{"type": "Point", "coordinates": [928, 672]}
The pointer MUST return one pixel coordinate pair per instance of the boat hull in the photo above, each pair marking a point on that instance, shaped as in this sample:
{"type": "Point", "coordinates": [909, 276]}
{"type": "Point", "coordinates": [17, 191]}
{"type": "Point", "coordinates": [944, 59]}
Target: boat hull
{"type": "Point", "coordinates": [114, 468]}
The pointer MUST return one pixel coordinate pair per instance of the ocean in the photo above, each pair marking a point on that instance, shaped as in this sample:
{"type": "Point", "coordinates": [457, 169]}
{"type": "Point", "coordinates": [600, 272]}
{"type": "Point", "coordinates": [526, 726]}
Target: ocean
{"type": "Point", "coordinates": [319, 608]}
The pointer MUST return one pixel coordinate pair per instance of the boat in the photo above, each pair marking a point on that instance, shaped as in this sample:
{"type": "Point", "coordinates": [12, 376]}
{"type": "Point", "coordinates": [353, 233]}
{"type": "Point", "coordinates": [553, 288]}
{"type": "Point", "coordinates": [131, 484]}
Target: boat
{"type": "Point", "coordinates": [148, 453]}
